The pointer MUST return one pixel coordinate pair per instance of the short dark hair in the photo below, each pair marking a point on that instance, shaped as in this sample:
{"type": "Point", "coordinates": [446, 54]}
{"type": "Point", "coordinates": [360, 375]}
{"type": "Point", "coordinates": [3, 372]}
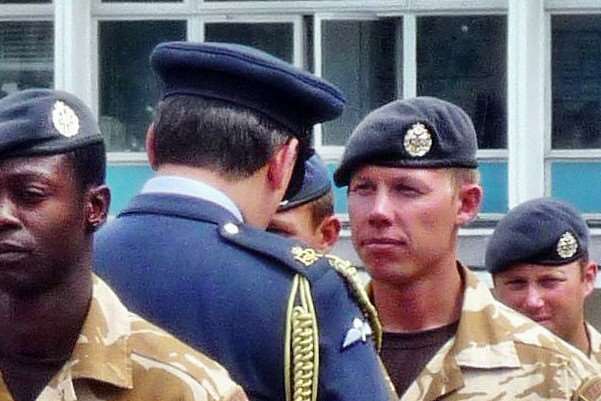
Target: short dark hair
{"type": "Point", "coordinates": [89, 164]}
{"type": "Point", "coordinates": [201, 132]}
{"type": "Point", "coordinates": [321, 208]}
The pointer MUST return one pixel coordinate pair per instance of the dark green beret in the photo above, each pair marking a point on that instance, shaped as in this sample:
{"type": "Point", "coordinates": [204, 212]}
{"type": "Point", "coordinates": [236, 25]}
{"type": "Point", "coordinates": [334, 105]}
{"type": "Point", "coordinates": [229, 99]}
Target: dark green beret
{"type": "Point", "coordinates": [421, 132]}
{"type": "Point", "coordinates": [45, 122]}
{"type": "Point", "coordinates": [541, 231]}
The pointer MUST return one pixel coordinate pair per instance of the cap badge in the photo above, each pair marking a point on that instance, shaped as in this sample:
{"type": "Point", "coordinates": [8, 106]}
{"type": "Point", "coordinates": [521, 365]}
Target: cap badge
{"type": "Point", "coordinates": [567, 245]}
{"type": "Point", "coordinates": [65, 120]}
{"type": "Point", "coordinates": [418, 140]}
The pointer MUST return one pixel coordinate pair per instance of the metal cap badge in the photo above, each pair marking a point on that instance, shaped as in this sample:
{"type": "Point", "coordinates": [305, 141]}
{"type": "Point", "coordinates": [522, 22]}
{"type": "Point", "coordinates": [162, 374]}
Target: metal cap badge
{"type": "Point", "coordinates": [567, 245]}
{"type": "Point", "coordinates": [418, 140]}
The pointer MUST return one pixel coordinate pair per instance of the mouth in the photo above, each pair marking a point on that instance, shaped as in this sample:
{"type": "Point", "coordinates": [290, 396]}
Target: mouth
{"type": "Point", "coordinates": [12, 252]}
{"type": "Point", "coordinates": [382, 242]}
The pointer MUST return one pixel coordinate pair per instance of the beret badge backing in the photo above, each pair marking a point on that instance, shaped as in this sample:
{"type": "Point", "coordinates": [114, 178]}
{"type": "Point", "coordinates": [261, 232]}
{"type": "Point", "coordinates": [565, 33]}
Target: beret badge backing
{"type": "Point", "coordinates": [418, 140]}
{"type": "Point", "coordinates": [65, 120]}
{"type": "Point", "coordinates": [567, 245]}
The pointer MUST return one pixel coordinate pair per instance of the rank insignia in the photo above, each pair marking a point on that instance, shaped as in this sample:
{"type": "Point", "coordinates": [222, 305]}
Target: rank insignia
{"type": "Point", "coordinates": [359, 332]}
{"type": "Point", "coordinates": [418, 140]}
{"type": "Point", "coordinates": [65, 120]}
{"type": "Point", "coordinates": [567, 246]}
{"type": "Point", "coordinates": [307, 256]}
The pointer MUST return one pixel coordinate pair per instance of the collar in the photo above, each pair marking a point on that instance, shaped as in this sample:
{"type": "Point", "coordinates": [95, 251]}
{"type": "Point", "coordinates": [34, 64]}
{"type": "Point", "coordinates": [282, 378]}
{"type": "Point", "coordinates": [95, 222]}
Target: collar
{"type": "Point", "coordinates": [595, 343]}
{"type": "Point", "coordinates": [101, 352]}
{"type": "Point", "coordinates": [186, 186]}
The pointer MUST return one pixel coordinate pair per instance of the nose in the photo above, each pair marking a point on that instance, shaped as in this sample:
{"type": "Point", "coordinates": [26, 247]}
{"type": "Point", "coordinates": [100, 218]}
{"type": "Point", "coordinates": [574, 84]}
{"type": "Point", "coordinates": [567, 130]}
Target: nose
{"type": "Point", "coordinates": [534, 299]}
{"type": "Point", "coordinates": [8, 216]}
{"type": "Point", "coordinates": [382, 211]}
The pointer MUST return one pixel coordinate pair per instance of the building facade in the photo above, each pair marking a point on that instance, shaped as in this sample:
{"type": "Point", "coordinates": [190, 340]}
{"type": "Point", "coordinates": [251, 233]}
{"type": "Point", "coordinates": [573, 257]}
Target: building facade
{"type": "Point", "coordinates": [528, 73]}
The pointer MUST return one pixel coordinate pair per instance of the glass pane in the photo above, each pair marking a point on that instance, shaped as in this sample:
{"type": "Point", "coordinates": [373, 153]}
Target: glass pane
{"type": "Point", "coordinates": [128, 89]}
{"type": "Point", "coordinates": [25, 1]}
{"type": "Point", "coordinates": [273, 38]}
{"type": "Point", "coordinates": [463, 60]}
{"type": "Point", "coordinates": [358, 57]}
{"type": "Point", "coordinates": [576, 81]}
{"type": "Point", "coordinates": [26, 55]}
{"type": "Point", "coordinates": [142, 1]}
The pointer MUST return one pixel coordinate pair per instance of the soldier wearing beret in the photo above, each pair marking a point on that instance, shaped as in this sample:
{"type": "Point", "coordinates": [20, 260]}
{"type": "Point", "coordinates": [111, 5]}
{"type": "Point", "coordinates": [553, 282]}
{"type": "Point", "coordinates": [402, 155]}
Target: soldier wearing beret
{"type": "Point", "coordinates": [411, 171]}
{"type": "Point", "coordinates": [229, 141]}
{"type": "Point", "coordinates": [65, 334]}
{"type": "Point", "coordinates": [309, 215]}
{"type": "Point", "coordinates": [538, 257]}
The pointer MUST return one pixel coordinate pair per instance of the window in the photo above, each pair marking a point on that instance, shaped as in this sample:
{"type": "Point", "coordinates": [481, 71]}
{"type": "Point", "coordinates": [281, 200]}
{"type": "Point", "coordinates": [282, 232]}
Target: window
{"type": "Point", "coordinates": [576, 81]}
{"type": "Point", "coordinates": [360, 58]}
{"type": "Point", "coordinates": [273, 38]}
{"type": "Point", "coordinates": [128, 89]}
{"type": "Point", "coordinates": [26, 55]}
{"type": "Point", "coordinates": [462, 59]}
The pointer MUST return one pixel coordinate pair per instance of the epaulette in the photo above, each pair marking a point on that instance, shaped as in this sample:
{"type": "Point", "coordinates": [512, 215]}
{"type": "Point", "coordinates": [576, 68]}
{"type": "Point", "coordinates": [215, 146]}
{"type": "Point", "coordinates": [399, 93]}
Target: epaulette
{"type": "Point", "coordinates": [267, 244]}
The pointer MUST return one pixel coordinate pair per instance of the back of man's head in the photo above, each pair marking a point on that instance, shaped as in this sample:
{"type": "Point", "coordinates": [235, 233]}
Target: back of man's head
{"type": "Point", "coordinates": [227, 107]}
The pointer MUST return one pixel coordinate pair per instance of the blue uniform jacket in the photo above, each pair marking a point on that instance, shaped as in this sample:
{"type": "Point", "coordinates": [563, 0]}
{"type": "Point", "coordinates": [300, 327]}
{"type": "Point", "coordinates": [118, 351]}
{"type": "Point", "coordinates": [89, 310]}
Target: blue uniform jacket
{"type": "Point", "coordinates": [176, 261]}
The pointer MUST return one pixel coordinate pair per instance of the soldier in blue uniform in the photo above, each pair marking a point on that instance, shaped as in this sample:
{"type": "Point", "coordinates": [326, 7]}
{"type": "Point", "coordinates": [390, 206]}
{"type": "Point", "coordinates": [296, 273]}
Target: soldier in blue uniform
{"type": "Point", "coordinates": [229, 141]}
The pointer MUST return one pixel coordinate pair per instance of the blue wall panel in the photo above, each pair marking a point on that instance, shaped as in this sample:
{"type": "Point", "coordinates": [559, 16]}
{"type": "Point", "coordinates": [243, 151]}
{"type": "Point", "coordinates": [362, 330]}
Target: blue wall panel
{"type": "Point", "coordinates": [125, 181]}
{"type": "Point", "coordinates": [578, 183]}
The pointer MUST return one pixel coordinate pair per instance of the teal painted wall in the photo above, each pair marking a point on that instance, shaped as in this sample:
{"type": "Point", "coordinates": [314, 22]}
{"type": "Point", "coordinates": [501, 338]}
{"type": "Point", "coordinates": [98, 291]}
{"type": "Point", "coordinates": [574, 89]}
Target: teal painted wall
{"type": "Point", "coordinates": [126, 180]}
{"type": "Point", "coordinates": [578, 183]}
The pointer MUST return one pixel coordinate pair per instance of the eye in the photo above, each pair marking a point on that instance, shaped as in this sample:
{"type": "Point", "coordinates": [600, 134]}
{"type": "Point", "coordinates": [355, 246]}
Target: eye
{"type": "Point", "coordinates": [407, 190]}
{"type": "Point", "coordinates": [362, 188]}
{"type": "Point", "coordinates": [516, 284]}
{"type": "Point", "coordinates": [279, 231]}
{"type": "Point", "coordinates": [31, 194]}
{"type": "Point", "coordinates": [551, 282]}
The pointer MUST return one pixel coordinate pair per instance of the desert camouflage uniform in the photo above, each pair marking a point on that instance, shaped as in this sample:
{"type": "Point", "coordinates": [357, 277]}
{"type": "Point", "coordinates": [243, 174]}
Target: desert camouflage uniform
{"type": "Point", "coordinates": [595, 339]}
{"type": "Point", "coordinates": [497, 354]}
{"type": "Point", "coordinates": [119, 356]}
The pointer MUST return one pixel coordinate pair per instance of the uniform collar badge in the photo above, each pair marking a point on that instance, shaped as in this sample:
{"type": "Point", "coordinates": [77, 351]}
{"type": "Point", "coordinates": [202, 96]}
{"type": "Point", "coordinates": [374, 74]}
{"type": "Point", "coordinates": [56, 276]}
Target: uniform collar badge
{"type": "Point", "coordinates": [418, 140]}
{"type": "Point", "coordinates": [359, 332]}
{"type": "Point", "coordinates": [64, 119]}
{"type": "Point", "coordinates": [567, 245]}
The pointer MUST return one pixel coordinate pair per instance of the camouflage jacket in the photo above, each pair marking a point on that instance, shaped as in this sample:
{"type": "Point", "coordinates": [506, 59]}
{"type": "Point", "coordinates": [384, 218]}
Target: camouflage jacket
{"type": "Point", "coordinates": [595, 340]}
{"type": "Point", "coordinates": [119, 356]}
{"type": "Point", "coordinates": [497, 354]}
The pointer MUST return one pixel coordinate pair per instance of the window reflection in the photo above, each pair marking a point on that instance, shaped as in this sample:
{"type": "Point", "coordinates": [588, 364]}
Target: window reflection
{"type": "Point", "coordinates": [128, 88]}
{"type": "Point", "coordinates": [26, 55]}
{"type": "Point", "coordinates": [576, 81]}
{"type": "Point", "coordinates": [463, 60]}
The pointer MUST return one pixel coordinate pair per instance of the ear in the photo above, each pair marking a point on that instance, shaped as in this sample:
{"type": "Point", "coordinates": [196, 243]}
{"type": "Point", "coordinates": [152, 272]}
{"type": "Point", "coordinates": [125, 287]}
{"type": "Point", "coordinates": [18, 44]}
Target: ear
{"type": "Point", "coordinates": [281, 165]}
{"type": "Point", "coordinates": [150, 145]}
{"type": "Point", "coordinates": [329, 231]}
{"type": "Point", "coordinates": [469, 198]}
{"type": "Point", "coordinates": [98, 200]}
{"type": "Point", "coordinates": [589, 276]}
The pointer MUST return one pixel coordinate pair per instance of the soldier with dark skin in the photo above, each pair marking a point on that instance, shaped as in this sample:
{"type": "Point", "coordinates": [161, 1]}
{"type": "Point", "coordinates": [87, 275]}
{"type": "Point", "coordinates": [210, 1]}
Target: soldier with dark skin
{"type": "Point", "coordinates": [65, 335]}
{"type": "Point", "coordinates": [410, 167]}
{"type": "Point", "coordinates": [539, 259]}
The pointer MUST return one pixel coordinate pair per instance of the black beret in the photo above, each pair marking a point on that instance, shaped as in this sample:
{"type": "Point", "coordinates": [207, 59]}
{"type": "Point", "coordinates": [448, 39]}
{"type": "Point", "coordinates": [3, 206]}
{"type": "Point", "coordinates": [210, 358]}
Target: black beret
{"type": "Point", "coordinates": [421, 132]}
{"type": "Point", "coordinates": [541, 231]}
{"type": "Point", "coordinates": [247, 77]}
{"type": "Point", "coordinates": [44, 122]}
{"type": "Point", "coordinates": [316, 183]}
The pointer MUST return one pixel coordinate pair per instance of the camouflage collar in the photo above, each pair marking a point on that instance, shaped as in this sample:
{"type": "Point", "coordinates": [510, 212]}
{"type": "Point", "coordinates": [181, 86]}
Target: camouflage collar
{"type": "Point", "coordinates": [484, 338]}
{"type": "Point", "coordinates": [595, 342]}
{"type": "Point", "coordinates": [101, 352]}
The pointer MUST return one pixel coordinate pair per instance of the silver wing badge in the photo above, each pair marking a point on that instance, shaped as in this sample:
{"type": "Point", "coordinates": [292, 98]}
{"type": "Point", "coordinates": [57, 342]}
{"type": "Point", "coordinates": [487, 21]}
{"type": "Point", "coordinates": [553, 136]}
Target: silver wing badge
{"type": "Point", "coordinates": [359, 332]}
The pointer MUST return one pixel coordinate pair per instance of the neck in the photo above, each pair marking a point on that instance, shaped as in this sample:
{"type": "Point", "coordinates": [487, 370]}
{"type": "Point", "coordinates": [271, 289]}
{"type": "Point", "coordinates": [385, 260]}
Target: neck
{"type": "Point", "coordinates": [44, 325]}
{"type": "Point", "coordinates": [580, 339]}
{"type": "Point", "coordinates": [251, 195]}
{"type": "Point", "coordinates": [422, 304]}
